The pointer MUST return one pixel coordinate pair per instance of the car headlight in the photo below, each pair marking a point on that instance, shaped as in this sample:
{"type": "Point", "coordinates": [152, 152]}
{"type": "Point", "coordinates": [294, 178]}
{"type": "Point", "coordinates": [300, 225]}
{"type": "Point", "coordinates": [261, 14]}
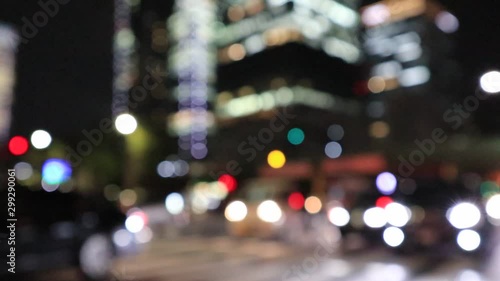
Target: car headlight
{"type": "Point", "coordinates": [468, 240]}
{"type": "Point", "coordinates": [393, 236]}
{"type": "Point", "coordinates": [397, 214]}
{"type": "Point", "coordinates": [464, 215]}
{"type": "Point", "coordinates": [375, 217]}
{"type": "Point", "coordinates": [493, 207]}
{"type": "Point", "coordinates": [236, 211]}
{"type": "Point", "coordinates": [339, 216]}
{"type": "Point", "coordinates": [269, 211]}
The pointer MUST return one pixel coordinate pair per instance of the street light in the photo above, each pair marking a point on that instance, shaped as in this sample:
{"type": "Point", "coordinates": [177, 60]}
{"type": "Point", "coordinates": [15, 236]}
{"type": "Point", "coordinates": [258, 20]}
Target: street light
{"type": "Point", "coordinates": [490, 82]}
{"type": "Point", "coordinates": [125, 124]}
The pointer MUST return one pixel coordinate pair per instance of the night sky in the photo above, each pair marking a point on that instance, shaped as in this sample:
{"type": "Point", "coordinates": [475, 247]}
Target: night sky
{"type": "Point", "coordinates": [65, 71]}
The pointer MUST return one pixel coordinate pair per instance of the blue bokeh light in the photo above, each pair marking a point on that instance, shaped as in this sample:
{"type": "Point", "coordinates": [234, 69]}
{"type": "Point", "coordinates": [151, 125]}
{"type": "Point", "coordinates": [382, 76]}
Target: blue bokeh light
{"type": "Point", "coordinates": [56, 171]}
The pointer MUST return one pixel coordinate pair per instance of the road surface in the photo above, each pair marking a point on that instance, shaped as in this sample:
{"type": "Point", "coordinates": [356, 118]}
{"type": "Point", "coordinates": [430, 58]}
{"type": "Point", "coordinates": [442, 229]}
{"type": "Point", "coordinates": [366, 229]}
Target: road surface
{"type": "Point", "coordinates": [197, 258]}
{"type": "Point", "coordinates": [225, 259]}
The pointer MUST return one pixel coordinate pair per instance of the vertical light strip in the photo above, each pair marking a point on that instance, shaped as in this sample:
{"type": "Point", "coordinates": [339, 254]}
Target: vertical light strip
{"type": "Point", "coordinates": [194, 66]}
{"type": "Point", "coordinates": [9, 40]}
{"type": "Point", "coordinates": [123, 48]}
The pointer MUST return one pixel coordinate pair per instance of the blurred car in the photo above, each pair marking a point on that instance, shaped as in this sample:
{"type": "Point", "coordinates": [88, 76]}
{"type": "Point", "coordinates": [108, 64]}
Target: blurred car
{"type": "Point", "coordinates": [58, 230]}
{"type": "Point", "coordinates": [260, 208]}
{"type": "Point", "coordinates": [446, 218]}
{"type": "Point", "coordinates": [424, 215]}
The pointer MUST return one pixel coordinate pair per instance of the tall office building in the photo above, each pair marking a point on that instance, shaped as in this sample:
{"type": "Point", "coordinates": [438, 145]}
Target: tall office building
{"type": "Point", "coordinates": [299, 55]}
{"type": "Point", "coordinates": [409, 46]}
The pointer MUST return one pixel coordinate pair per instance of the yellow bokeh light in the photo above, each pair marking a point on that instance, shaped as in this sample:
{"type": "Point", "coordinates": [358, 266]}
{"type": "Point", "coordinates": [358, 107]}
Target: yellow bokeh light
{"type": "Point", "coordinates": [376, 84]}
{"type": "Point", "coordinates": [276, 159]}
{"type": "Point", "coordinates": [313, 205]}
{"type": "Point", "coordinates": [379, 129]}
{"type": "Point", "coordinates": [128, 197]}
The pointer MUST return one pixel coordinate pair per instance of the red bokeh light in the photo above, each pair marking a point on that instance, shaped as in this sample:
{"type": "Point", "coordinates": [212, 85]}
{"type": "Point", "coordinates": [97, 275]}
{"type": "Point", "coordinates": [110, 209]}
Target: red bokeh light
{"type": "Point", "coordinates": [18, 145]}
{"type": "Point", "coordinates": [296, 201]}
{"type": "Point", "coordinates": [360, 88]}
{"type": "Point", "coordinates": [229, 181]}
{"type": "Point", "coordinates": [383, 201]}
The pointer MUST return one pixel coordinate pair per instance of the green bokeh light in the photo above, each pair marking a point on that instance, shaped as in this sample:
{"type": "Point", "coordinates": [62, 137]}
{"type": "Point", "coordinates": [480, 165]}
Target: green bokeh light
{"type": "Point", "coordinates": [489, 188]}
{"type": "Point", "coordinates": [296, 136]}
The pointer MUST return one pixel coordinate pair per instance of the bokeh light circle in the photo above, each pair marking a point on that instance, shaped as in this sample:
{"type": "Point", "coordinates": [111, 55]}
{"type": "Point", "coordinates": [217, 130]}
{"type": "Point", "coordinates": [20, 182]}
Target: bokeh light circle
{"type": "Point", "coordinates": [126, 124]}
{"type": "Point", "coordinates": [386, 183]}
{"type": "Point", "coordinates": [339, 216]}
{"type": "Point", "coordinates": [174, 203]}
{"type": "Point", "coordinates": [313, 205]}
{"type": "Point", "coordinates": [490, 82]}
{"type": "Point", "coordinates": [335, 132]}
{"type": "Point", "coordinates": [40, 139]}
{"type": "Point", "coordinates": [468, 240]}
{"type": "Point", "coordinates": [56, 171]}
{"type": "Point", "coordinates": [276, 159]}
{"type": "Point", "coordinates": [333, 150]}
{"type": "Point", "coordinates": [296, 136]}
{"type": "Point", "coordinates": [236, 211]}
{"type": "Point", "coordinates": [24, 171]}
{"type": "Point", "coordinates": [18, 145]}
{"type": "Point", "coordinates": [393, 236]}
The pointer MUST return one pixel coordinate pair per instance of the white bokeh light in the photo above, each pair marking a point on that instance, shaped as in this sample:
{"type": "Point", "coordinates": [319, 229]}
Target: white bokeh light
{"type": "Point", "coordinates": [144, 236]}
{"type": "Point", "coordinates": [165, 169]}
{"type": "Point", "coordinates": [134, 223]}
{"type": "Point", "coordinates": [469, 275]}
{"type": "Point", "coordinates": [397, 214]}
{"type": "Point", "coordinates": [40, 139]}
{"type": "Point", "coordinates": [375, 15]}
{"type": "Point", "coordinates": [236, 211]}
{"type": "Point", "coordinates": [269, 211]}
{"type": "Point", "coordinates": [126, 124]}
{"type": "Point", "coordinates": [174, 203]}
{"type": "Point", "coordinates": [24, 171]}
{"type": "Point", "coordinates": [375, 217]}
{"type": "Point", "coordinates": [49, 187]}
{"type": "Point", "coordinates": [393, 236]}
{"type": "Point", "coordinates": [490, 82]}
{"type": "Point", "coordinates": [386, 183]}
{"type": "Point", "coordinates": [464, 215]}
{"type": "Point", "coordinates": [122, 238]}
{"type": "Point", "coordinates": [339, 216]}
{"type": "Point", "coordinates": [493, 207]}
{"type": "Point", "coordinates": [447, 22]}
{"type": "Point", "coordinates": [468, 240]}
{"type": "Point", "coordinates": [333, 149]}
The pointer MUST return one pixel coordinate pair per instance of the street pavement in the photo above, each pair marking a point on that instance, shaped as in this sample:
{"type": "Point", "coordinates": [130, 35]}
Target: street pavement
{"type": "Point", "coordinates": [229, 259]}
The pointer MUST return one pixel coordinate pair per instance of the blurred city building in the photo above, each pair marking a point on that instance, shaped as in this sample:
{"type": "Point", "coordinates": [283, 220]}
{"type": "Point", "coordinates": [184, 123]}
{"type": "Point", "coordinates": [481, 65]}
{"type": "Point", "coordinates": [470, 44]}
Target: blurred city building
{"type": "Point", "coordinates": [413, 74]}
{"type": "Point", "coordinates": [274, 57]}
{"type": "Point", "coordinates": [8, 46]}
